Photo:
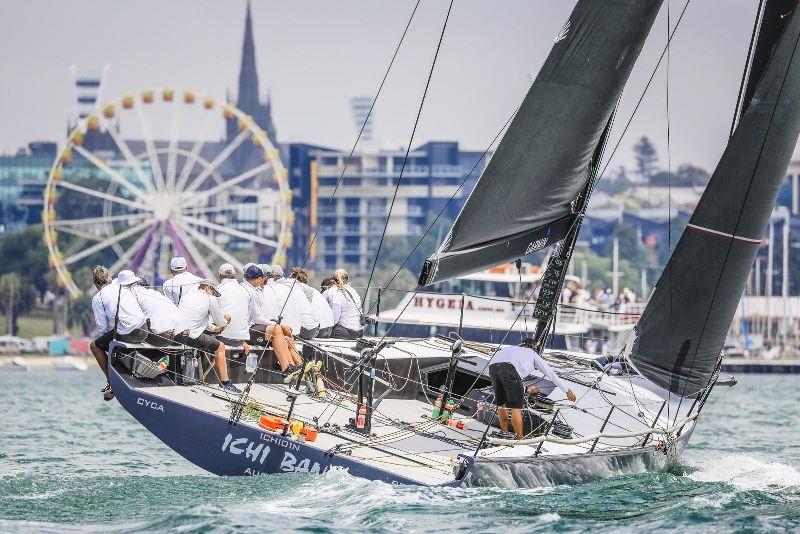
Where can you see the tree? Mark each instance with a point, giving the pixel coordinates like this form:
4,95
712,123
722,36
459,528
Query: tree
80,314
691,176
16,297
615,184
23,253
646,158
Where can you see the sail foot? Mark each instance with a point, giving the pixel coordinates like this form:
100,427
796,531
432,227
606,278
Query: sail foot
443,266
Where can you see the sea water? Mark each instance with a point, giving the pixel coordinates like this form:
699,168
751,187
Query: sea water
71,462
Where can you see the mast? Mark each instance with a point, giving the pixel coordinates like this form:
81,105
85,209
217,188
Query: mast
553,279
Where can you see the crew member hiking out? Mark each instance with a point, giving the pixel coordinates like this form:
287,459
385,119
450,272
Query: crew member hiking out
182,281
194,311
234,300
345,304
263,331
510,365
127,318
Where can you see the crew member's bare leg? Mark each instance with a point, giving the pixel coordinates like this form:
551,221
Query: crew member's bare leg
516,422
222,363
101,357
275,338
502,416
287,333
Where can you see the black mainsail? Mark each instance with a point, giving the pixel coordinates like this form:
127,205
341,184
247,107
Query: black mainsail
524,200
678,339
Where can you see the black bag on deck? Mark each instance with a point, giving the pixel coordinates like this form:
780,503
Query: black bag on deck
140,366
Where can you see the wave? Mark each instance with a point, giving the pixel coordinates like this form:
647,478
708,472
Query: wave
746,472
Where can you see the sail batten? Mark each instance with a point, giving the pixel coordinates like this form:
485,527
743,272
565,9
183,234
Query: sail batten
679,337
524,200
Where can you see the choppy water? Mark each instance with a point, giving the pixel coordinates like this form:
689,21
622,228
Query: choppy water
71,462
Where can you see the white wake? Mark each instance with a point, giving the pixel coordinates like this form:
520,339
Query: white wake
748,473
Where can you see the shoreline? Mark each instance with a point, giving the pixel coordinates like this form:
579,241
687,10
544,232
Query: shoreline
44,361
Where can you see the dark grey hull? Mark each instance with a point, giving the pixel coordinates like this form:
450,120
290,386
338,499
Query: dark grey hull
573,469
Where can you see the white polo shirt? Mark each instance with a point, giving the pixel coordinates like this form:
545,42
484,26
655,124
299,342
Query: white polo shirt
308,315
180,284
278,300
104,306
346,306
321,307
256,308
157,307
235,301
194,311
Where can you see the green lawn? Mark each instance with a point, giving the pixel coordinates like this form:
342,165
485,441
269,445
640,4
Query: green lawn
30,326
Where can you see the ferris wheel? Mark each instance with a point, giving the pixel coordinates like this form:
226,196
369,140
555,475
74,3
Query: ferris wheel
119,196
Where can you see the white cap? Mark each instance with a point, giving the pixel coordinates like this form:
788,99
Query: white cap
226,268
277,271
177,263
126,278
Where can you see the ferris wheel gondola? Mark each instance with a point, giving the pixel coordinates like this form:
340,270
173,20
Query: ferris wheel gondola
133,201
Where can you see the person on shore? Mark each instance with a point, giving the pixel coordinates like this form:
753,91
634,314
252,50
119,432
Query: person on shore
264,332
510,365
116,312
182,281
318,302
194,311
234,300
346,307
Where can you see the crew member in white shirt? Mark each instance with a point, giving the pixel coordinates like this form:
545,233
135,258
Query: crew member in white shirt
160,311
234,300
127,319
262,331
182,281
318,302
194,311
509,367
274,307
346,307
300,314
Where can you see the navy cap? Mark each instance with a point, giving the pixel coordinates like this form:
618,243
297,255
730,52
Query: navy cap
253,272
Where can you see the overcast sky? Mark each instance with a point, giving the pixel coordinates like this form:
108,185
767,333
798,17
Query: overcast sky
311,54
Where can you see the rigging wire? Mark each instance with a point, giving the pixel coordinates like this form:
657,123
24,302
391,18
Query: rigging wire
245,393
408,151
315,234
747,66
669,200
644,92
444,208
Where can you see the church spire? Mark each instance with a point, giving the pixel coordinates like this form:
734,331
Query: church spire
247,99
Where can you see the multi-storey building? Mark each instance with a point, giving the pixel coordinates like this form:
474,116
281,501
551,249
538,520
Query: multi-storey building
22,180
351,221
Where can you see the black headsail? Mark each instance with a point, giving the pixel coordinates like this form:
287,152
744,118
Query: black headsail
524,200
679,337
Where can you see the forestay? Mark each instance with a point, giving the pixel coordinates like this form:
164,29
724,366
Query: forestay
679,337
524,199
